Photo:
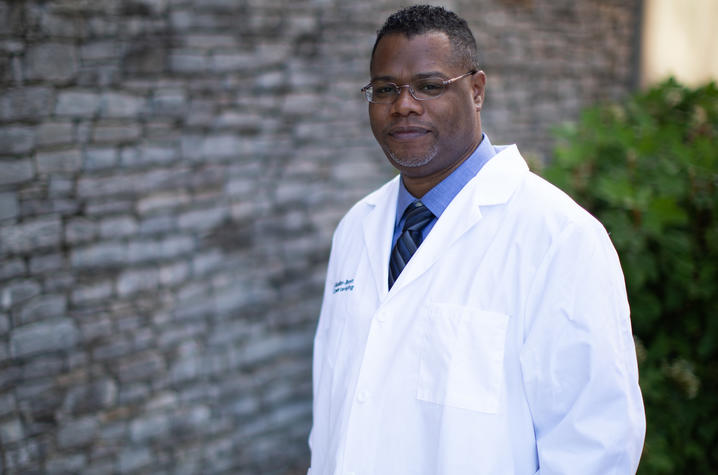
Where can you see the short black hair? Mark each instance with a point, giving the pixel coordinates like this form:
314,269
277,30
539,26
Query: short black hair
420,19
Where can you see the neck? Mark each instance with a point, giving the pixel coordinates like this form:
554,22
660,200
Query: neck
418,186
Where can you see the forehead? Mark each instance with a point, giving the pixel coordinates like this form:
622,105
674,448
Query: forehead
400,56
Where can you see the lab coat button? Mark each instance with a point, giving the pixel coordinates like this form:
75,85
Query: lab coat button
363,396
381,317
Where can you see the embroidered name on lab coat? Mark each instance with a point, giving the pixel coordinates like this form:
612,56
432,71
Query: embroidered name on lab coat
344,286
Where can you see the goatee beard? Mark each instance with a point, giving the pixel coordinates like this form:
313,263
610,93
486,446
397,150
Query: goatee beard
413,161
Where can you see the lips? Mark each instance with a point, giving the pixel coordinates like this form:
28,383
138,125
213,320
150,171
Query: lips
406,133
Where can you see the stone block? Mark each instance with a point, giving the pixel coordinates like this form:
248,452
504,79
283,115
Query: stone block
105,186
42,307
196,420
7,404
64,464
4,352
4,324
91,397
94,292
120,105
79,230
55,133
100,158
154,202
147,155
226,62
16,139
140,368
31,235
149,427
64,26
187,62
101,466
209,41
118,226
100,50
168,102
202,219
62,186
100,255
43,337
137,280
77,433
299,103
207,262
11,268
46,263
133,393
109,205
133,460
114,349
11,431
185,369
9,377
116,132
53,62
58,161
8,205
43,367
26,103
173,274
77,104
221,146
143,250
16,171
158,224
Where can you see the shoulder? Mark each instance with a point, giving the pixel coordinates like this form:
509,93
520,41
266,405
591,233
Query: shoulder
542,201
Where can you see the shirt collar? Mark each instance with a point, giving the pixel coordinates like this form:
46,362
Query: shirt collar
439,197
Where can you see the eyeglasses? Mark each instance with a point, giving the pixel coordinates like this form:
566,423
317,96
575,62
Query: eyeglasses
385,92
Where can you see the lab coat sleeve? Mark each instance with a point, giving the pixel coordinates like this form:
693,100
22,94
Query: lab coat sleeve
578,359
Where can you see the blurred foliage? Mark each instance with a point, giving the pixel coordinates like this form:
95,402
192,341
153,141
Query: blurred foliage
648,169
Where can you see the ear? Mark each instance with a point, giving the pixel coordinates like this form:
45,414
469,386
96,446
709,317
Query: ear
478,88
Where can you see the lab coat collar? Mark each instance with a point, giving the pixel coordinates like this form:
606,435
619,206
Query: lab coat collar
493,185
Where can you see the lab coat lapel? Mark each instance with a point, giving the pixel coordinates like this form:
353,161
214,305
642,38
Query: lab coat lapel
494,184
378,227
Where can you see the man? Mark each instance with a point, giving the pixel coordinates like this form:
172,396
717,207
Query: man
475,319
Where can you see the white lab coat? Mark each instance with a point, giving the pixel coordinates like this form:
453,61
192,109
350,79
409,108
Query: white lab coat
504,347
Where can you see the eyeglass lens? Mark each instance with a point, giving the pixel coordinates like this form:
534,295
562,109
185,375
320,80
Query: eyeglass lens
423,89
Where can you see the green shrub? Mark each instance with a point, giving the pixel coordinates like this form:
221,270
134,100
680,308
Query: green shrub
648,169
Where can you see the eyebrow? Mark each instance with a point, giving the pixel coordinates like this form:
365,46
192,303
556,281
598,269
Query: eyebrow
430,74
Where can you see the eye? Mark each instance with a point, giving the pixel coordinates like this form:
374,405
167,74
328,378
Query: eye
430,87
383,89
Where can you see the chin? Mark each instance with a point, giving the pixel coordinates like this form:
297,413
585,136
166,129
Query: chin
411,161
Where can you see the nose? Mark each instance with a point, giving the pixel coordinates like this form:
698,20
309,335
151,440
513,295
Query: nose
406,104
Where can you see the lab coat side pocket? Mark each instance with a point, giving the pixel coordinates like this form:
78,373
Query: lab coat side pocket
461,364
333,332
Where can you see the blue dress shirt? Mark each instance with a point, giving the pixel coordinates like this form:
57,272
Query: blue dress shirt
439,197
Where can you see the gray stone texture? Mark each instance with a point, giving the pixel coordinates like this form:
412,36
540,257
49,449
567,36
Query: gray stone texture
171,172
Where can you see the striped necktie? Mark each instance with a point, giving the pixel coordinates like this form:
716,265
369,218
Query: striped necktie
417,217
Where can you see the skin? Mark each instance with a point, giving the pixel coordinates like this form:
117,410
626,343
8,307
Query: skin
425,140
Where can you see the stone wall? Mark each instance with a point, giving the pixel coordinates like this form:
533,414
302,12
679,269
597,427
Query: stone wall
171,172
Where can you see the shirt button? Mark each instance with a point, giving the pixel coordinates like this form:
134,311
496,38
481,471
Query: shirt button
363,396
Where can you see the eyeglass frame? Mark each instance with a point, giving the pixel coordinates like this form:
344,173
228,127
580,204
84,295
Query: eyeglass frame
412,92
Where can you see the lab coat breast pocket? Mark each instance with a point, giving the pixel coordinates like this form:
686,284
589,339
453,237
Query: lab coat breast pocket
461,361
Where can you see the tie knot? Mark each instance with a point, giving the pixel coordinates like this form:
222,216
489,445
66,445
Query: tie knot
417,216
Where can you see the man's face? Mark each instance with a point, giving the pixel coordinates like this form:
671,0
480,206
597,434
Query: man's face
425,138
